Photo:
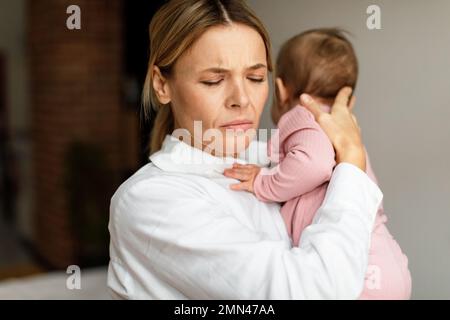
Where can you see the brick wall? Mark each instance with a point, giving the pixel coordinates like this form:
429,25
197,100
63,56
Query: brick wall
76,82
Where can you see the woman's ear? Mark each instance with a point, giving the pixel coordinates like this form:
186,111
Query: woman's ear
283,94
161,86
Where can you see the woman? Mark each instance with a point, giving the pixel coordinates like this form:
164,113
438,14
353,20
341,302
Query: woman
177,229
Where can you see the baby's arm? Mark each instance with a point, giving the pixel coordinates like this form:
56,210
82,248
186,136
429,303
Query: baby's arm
308,163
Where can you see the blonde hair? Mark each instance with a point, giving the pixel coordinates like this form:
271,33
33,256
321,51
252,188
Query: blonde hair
173,29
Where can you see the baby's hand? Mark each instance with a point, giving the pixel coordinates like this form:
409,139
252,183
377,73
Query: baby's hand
244,172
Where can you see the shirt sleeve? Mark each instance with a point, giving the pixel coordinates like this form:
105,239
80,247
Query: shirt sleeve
203,252
308,163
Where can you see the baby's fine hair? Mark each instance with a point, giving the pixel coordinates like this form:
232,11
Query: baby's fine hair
318,62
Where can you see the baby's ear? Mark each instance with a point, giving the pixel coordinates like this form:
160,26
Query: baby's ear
283,94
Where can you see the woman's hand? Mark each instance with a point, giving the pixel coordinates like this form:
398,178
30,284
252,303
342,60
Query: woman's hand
341,127
246,173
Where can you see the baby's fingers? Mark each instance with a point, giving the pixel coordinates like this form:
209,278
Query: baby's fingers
236,174
239,186
243,166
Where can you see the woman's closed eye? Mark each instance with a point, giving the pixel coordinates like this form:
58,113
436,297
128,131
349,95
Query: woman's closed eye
257,79
212,82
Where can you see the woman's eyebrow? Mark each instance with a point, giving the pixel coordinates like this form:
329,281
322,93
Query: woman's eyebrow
223,70
257,66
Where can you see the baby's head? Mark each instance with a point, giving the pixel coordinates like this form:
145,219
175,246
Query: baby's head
318,62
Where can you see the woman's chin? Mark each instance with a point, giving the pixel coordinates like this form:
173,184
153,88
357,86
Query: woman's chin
230,143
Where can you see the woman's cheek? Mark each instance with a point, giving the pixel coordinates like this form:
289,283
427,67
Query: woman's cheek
207,110
260,97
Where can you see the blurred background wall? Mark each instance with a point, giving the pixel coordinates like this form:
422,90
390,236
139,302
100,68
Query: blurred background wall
70,130
15,146
70,127
403,108
15,89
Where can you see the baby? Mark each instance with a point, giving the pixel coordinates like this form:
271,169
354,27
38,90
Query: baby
317,62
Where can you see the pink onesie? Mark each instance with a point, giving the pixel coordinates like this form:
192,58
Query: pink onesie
305,161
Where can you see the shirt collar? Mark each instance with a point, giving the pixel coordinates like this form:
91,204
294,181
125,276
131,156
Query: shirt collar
177,156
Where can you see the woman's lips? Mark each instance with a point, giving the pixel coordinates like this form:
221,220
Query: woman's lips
238,125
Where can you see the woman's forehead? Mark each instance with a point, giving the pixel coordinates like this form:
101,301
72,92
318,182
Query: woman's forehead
235,46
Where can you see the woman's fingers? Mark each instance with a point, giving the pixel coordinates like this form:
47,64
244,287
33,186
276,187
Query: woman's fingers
342,98
310,104
341,127
351,104
356,121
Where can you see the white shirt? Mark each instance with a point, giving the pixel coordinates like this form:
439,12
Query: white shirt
178,232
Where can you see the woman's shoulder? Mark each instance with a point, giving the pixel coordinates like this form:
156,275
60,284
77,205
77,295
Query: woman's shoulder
152,183
152,197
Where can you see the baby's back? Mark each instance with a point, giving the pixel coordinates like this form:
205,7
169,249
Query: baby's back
387,275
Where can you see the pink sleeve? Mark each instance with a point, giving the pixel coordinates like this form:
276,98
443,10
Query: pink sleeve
308,163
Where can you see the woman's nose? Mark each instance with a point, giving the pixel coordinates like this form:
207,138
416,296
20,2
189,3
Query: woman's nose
238,96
